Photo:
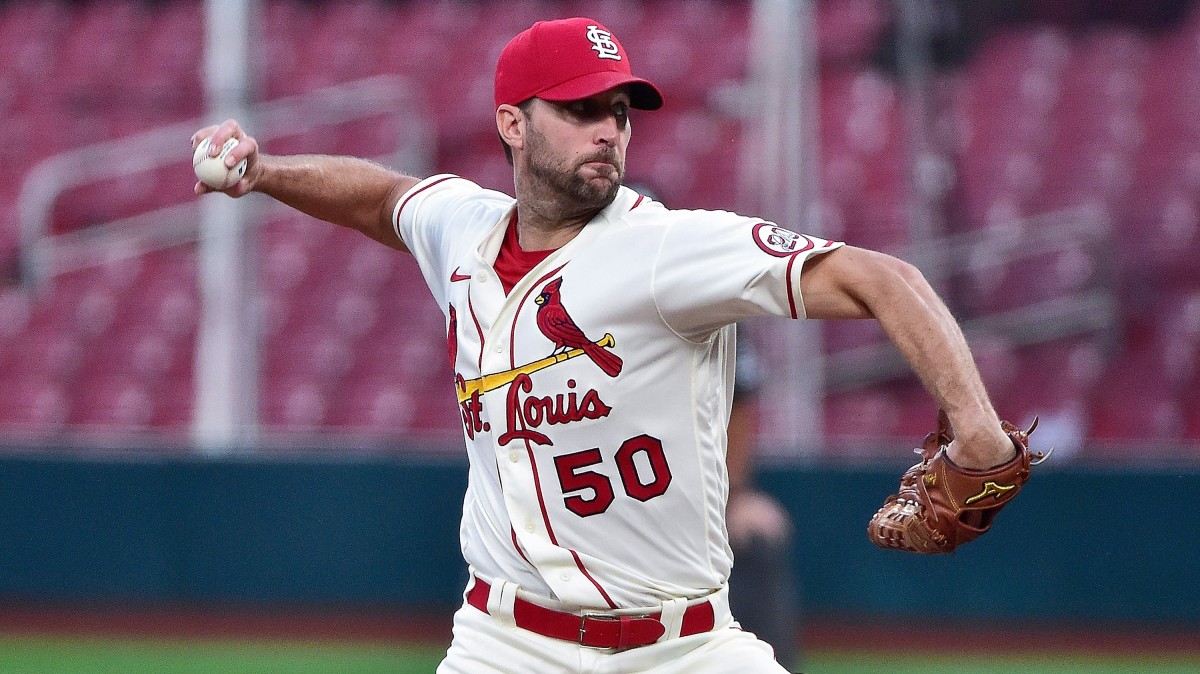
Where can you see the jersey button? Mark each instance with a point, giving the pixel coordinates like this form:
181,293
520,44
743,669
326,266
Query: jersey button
481,277
565,576
530,527
514,456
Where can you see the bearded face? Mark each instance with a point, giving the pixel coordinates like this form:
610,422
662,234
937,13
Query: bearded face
591,181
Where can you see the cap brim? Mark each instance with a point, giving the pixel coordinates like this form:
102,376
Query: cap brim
642,94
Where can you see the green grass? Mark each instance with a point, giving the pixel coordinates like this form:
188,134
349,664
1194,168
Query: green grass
44,655
990,663
48,655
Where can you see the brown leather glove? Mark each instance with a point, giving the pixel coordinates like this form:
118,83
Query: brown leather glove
940,505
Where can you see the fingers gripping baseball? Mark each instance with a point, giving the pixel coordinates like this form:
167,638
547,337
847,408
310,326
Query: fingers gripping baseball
220,165
941,505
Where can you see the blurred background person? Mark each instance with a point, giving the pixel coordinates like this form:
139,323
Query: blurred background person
763,587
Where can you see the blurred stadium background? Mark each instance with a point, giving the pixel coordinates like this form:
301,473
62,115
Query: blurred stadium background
211,409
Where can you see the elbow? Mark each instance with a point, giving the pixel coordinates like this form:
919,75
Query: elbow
908,273
860,283
892,271
890,280
909,285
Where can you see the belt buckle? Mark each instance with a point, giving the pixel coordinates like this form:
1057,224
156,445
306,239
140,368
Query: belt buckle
605,617
621,620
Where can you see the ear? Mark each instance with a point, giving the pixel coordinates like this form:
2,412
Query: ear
510,123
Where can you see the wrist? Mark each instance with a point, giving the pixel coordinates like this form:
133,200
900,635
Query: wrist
986,448
260,173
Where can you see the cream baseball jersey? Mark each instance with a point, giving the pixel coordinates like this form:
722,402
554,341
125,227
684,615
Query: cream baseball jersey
595,395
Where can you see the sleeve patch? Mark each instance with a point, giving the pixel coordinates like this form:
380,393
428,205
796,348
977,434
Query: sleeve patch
780,242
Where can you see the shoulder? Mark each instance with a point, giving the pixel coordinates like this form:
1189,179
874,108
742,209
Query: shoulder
448,192
445,210
766,236
705,224
645,211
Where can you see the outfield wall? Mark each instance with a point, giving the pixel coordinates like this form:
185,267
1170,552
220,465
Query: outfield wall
1077,544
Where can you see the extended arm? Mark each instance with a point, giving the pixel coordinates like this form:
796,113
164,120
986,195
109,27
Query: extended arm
346,191
856,283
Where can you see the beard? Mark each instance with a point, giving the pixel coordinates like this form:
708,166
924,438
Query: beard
592,193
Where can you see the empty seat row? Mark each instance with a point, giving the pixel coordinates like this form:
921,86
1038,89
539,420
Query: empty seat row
1039,120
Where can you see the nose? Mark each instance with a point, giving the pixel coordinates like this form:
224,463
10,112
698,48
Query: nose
607,130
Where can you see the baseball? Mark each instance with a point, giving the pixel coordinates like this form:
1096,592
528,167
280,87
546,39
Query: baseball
212,170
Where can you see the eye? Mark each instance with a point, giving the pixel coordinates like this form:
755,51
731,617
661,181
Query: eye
621,111
589,110
584,109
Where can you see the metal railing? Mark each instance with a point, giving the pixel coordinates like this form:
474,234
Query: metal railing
1088,309
45,254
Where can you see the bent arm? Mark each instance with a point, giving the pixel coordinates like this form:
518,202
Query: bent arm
857,283
345,191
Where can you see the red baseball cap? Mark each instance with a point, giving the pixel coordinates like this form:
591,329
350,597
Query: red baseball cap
566,60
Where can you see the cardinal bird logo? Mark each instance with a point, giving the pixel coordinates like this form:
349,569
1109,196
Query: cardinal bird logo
558,326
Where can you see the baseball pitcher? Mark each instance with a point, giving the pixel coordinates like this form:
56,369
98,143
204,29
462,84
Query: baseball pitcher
591,331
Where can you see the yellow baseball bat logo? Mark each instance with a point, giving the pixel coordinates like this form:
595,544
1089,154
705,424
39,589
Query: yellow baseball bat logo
491,382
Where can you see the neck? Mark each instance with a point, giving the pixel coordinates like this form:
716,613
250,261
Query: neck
537,230
548,221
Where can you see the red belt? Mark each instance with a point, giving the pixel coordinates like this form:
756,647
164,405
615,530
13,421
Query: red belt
596,630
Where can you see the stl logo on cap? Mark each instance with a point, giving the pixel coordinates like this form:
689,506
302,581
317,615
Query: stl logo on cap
602,43
568,60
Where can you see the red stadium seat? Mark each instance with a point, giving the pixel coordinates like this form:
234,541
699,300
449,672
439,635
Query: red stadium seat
1191,413
1044,119
862,415
294,405
112,403
33,404
375,405
848,31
